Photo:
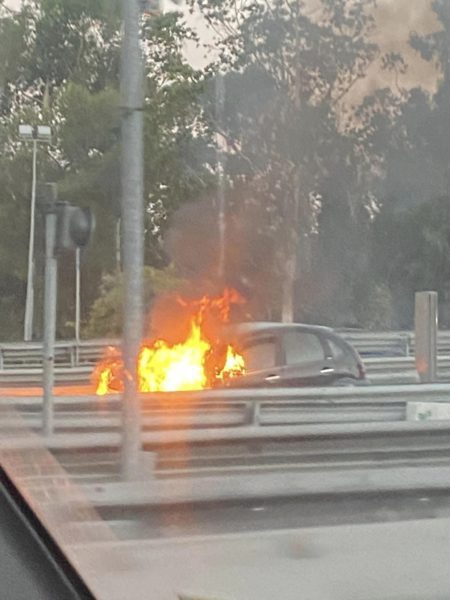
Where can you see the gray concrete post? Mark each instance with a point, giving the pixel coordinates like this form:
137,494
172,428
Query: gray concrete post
426,327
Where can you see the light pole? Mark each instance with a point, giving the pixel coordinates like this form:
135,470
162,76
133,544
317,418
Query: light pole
132,183
35,134
132,224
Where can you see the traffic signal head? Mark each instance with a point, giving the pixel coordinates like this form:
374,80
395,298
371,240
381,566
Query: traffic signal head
47,196
75,226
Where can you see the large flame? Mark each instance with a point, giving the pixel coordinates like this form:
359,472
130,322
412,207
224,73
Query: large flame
187,365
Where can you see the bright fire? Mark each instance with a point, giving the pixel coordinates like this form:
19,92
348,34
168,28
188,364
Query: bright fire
188,365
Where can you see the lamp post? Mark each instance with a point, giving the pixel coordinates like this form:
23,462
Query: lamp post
132,182
35,134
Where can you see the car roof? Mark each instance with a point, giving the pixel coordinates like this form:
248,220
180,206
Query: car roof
248,328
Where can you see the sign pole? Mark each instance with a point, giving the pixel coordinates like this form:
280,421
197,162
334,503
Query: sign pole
51,275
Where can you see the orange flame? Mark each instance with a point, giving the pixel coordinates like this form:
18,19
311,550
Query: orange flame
185,366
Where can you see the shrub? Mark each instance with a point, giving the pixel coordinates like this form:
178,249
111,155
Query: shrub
106,314
373,306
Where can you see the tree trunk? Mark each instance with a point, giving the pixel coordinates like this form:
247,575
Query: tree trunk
287,289
221,166
290,257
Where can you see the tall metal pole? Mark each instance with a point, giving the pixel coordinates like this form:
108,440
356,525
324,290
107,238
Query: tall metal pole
51,274
77,294
29,302
132,231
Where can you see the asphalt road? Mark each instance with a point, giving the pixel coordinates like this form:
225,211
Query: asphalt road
212,519
401,561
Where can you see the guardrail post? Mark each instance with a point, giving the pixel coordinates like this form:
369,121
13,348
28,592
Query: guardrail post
426,324
72,354
407,345
254,413
148,462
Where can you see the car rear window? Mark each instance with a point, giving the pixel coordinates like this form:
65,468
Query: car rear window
259,355
302,347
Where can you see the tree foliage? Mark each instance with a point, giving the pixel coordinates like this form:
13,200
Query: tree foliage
61,67
106,315
290,71
336,211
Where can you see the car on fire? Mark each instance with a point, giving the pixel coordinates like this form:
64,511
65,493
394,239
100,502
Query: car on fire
284,355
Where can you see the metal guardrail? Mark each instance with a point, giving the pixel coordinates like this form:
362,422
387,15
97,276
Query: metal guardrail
387,356
401,368
394,343
177,436
71,354
379,369
33,376
233,409
263,451
399,343
368,343
67,353
296,460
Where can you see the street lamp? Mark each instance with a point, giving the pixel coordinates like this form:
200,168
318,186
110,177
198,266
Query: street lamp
35,134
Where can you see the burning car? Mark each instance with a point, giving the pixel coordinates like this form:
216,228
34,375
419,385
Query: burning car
282,354
193,362
213,353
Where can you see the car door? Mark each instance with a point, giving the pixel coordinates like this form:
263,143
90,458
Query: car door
305,359
345,362
262,359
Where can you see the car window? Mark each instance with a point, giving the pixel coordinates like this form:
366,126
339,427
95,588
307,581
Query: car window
339,351
260,354
302,347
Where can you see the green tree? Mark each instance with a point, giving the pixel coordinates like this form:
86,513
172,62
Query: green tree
106,315
288,71
61,67
412,252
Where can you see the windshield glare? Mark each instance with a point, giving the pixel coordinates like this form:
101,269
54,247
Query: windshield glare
225,296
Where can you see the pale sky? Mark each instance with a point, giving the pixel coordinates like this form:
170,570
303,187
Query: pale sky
395,20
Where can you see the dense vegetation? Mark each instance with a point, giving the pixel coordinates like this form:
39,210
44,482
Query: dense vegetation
335,213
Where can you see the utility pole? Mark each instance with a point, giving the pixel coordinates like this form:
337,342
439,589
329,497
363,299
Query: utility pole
50,291
132,226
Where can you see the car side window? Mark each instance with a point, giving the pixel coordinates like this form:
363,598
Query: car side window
302,347
260,354
339,352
